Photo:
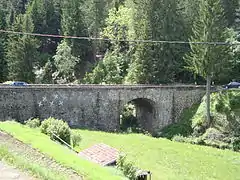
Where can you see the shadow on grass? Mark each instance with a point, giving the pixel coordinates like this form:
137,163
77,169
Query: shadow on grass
183,127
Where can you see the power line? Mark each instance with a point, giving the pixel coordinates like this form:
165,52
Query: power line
116,40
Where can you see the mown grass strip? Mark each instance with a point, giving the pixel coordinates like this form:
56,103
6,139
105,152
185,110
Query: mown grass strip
42,173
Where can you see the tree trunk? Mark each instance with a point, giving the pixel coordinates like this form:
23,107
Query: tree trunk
208,92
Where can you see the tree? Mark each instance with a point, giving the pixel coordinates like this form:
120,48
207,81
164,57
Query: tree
230,7
65,63
95,12
46,19
156,63
3,63
111,70
208,60
73,25
21,52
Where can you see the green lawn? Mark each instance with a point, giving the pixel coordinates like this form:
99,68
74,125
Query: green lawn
61,154
42,173
167,160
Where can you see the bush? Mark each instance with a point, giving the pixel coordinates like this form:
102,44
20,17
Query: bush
127,168
33,123
235,102
191,140
179,138
128,120
54,127
45,124
76,138
235,143
213,134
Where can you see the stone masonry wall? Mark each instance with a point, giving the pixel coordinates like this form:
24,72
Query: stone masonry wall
95,107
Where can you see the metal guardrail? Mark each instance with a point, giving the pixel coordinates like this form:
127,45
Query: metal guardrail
68,145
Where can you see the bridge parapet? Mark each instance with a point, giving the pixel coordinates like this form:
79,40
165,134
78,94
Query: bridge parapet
97,106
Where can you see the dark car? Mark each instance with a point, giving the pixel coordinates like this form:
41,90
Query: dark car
232,85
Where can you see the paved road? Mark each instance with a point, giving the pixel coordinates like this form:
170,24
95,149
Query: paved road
9,173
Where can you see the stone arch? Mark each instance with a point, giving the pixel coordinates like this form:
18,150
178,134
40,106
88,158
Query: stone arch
145,112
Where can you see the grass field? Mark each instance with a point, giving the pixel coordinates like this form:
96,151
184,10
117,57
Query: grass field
167,160
43,173
61,154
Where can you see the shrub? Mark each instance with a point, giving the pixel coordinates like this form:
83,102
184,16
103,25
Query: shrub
33,123
235,143
213,134
76,138
234,102
179,138
45,124
128,119
127,167
54,127
191,140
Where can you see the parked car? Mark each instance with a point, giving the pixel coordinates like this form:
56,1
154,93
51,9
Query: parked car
15,83
232,85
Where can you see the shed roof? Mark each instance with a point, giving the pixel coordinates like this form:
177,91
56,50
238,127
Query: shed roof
101,154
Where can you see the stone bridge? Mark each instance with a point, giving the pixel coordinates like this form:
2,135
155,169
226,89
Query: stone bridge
98,106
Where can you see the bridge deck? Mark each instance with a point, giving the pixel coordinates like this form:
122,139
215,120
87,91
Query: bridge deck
97,86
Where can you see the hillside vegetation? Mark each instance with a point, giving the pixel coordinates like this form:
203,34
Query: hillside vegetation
222,132
48,59
164,158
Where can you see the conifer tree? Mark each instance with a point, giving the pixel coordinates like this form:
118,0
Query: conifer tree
3,63
65,63
157,63
73,25
209,60
22,51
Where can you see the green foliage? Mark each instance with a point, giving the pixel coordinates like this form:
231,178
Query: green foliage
33,123
156,63
65,64
127,118
230,7
235,143
45,74
209,61
75,138
3,63
191,140
145,63
118,24
224,130
127,167
209,27
21,52
54,127
183,127
73,25
111,70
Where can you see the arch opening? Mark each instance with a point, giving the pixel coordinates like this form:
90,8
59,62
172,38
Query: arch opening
137,116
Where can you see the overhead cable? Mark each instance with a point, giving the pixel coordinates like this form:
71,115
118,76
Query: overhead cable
117,40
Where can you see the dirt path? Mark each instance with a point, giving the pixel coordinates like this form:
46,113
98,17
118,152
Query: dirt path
10,173
33,155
